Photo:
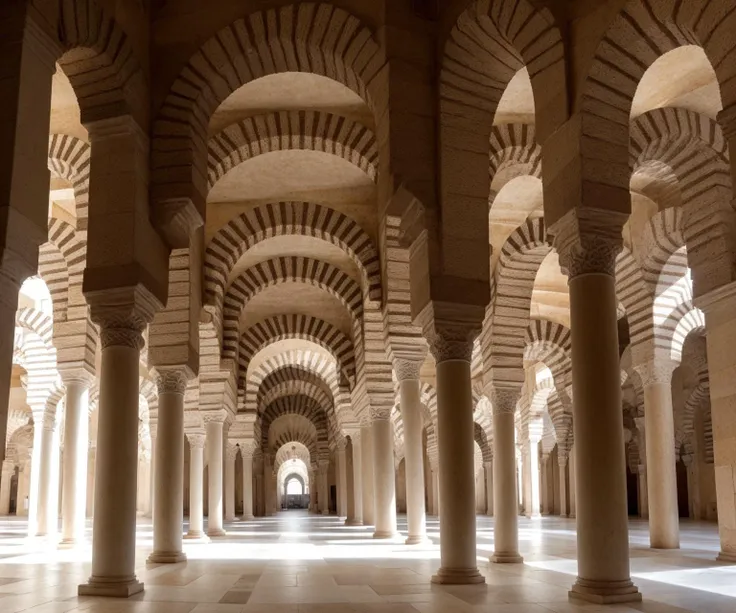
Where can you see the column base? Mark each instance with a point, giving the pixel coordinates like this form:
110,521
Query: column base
216,532
69,543
458,576
383,534
167,557
199,535
247,517
325,513
419,539
353,522
727,556
111,588
233,518
506,558
605,592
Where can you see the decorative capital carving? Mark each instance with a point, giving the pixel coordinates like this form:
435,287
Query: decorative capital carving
588,240
231,452
380,413
213,416
196,440
8,468
655,372
247,448
407,370
79,376
49,421
504,399
171,380
122,314
687,459
450,329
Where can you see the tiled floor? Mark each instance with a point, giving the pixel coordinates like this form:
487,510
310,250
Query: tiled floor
302,564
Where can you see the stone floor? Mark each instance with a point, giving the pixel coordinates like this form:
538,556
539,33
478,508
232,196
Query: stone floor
298,563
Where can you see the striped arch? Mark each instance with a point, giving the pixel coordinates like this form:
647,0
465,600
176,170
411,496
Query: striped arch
550,343
700,395
671,335
561,419
292,130
514,149
663,238
306,37
692,145
295,387
297,405
643,31
284,270
35,348
633,293
521,256
481,438
69,160
539,397
287,219
280,327
301,450
291,377
108,73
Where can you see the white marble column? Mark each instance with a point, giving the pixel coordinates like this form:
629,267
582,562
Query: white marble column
246,450
489,488
452,347
367,467
664,519
562,462
47,518
349,485
384,475
324,496
342,479
407,373
114,525
8,468
588,245
76,450
356,444
436,491
169,476
571,475
214,425
196,486
505,496
534,474
231,453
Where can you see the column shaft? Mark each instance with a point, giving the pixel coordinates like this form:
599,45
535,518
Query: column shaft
356,446
602,516
505,497
113,534
562,461
8,468
324,488
384,475
47,519
247,484
214,481
230,456
455,436
76,449
413,459
367,467
489,488
342,481
196,487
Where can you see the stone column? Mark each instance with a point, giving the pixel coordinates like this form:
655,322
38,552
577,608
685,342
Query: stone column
350,486
571,475
8,468
505,497
356,447
113,539
562,462
545,483
342,479
367,467
231,453
452,346
91,464
246,450
384,475
169,476
664,519
47,520
196,486
588,241
526,481
214,425
324,497
313,493
489,488
153,428
411,414
436,490
76,449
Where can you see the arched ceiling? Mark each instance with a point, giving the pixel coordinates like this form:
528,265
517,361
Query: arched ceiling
517,102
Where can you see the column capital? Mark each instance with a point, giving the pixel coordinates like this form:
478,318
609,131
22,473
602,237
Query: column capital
80,376
380,413
8,468
504,399
231,452
656,371
588,240
122,314
407,370
687,459
214,416
172,380
247,448
451,329
196,440
341,443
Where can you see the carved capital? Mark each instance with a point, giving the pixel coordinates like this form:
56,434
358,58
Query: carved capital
504,400
122,314
655,372
49,421
214,416
380,413
231,452
247,448
171,380
196,441
8,468
78,376
450,329
588,241
407,370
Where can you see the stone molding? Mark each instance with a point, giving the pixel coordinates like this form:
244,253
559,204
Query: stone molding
588,241
217,416
655,372
80,376
380,414
171,381
504,400
122,314
407,370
